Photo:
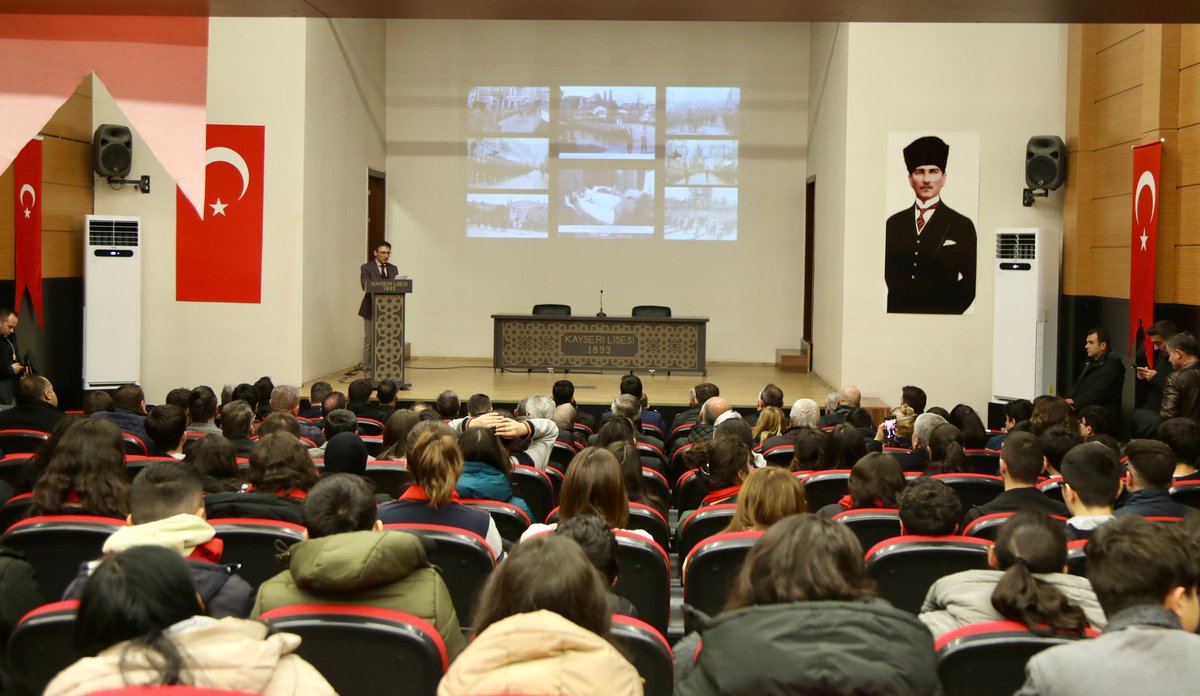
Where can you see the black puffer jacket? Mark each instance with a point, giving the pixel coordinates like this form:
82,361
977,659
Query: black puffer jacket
826,647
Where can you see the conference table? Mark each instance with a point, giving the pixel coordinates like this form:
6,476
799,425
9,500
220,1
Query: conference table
545,341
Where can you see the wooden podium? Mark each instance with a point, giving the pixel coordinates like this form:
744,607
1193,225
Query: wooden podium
387,338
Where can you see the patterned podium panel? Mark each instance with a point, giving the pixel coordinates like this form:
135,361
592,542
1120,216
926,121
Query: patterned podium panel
389,337
631,343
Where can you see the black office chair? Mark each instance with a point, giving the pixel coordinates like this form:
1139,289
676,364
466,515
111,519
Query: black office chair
649,310
558,310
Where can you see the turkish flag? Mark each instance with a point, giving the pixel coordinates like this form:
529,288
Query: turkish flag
219,258
1147,160
27,225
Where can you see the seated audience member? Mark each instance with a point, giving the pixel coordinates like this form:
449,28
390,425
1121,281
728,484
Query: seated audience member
85,475
237,419
802,617
339,420
563,392
771,396
712,409
166,425
946,454
447,405
1145,576
723,464
215,460
202,411
395,435
479,404
543,619
166,508
387,393
316,394
1182,435
632,385
1091,482
141,622
861,420
914,398
36,409
346,453
97,401
597,540
593,486
1148,478
768,495
1108,441
875,481
1021,462
631,471
697,395
263,387
628,406
1049,411
358,396
844,447
929,507
245,392
1027,584
536,406
1096,420
349,559
277,482
1015,411
804,414
280,422
809,449
770,423
486,470
129,411
904,420
436,464
1181,395
1056,442
528,442
734,426
923,429
849,398
332,402
564,420
285,399
620,428
974,434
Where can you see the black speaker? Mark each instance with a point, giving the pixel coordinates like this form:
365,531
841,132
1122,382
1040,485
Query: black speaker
112,150
1045,162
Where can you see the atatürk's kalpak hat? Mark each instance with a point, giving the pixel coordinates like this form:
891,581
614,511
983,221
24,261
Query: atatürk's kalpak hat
929,150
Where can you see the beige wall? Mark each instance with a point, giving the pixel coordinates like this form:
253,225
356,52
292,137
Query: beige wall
751,289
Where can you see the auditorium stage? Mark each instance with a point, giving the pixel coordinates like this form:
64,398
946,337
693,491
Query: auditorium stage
739,382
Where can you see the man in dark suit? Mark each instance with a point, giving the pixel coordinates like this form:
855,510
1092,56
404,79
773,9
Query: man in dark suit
36,409
379,269
10,367
929,254
1102,378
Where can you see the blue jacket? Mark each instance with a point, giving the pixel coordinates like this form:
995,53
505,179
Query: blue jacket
482,480
1151,502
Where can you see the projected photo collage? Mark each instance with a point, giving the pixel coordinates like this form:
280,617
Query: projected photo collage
596,152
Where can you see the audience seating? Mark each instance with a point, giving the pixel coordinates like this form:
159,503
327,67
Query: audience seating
14,510
709,569
680,431
649,310
190,436
562,453
1077,557
56,545
973,489
134,444
983,461
823,488
12,466
988,526
21,441
134,463
779,455
988,659
657,485
556,479
535,488
464,558
653,431
645,578
255,545
907,459
583,429
374,444
511,521
871,525
905,567
42,644
689,491
1183,492
678,465
705,522
647,651
369,426
647,449
649,519
556,310
390,478
366,651
1052,487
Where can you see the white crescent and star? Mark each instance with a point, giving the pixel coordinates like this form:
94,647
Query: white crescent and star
32,198
1145,181
232,158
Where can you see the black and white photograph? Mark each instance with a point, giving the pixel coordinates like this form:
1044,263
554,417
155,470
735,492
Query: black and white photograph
606,122
702,163
513,110
606,202
697,212
508,215
703,110
508,163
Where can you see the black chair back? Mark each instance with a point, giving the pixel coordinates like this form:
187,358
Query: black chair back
14,510
134,444
690,491
650,520
1052,487
390,478
983,461
988,526
41,645
779,455
561,453
647,310
511,521
369,426
645,578
907,459
656,485
823,488
973,489
905,567
16,441
708,571
1183,492
989,659
557,310
647,650
535,488
870,525
256,545
465,560
1077,557
56,545
12,468
705,522
374,444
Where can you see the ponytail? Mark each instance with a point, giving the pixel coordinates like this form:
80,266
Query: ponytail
1042,607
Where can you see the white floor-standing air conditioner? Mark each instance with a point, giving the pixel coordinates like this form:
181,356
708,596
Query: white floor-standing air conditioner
112,302
1028,266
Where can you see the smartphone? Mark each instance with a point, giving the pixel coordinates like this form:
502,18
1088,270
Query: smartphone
889,428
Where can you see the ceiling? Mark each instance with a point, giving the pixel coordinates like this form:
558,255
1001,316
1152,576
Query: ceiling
1018,11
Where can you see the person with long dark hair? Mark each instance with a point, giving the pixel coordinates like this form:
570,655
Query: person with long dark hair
875,482
946,454
630,459
215,459
1027,583
844,447
395,435
141,622
487,470
86,474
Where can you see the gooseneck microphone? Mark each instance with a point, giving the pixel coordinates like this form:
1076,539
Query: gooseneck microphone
601,312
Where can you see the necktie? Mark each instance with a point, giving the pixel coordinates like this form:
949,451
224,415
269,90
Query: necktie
383,271
921,215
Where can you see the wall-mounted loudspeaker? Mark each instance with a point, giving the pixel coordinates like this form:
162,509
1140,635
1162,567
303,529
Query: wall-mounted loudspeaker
112,151
1045,162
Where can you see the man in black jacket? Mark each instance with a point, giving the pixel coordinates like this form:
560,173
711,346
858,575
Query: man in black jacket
36,409
1148,476
1102,378
11,368
1021,462
1154,374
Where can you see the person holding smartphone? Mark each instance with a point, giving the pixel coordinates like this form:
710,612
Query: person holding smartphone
897,429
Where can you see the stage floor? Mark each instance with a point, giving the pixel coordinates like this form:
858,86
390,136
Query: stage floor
739,382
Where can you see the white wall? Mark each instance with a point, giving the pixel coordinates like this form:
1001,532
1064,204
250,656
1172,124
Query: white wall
751,289
1004,82
343,137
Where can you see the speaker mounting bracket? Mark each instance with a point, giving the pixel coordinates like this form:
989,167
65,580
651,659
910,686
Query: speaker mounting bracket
143,183
1030,194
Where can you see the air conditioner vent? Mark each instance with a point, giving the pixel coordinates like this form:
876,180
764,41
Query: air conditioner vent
113,233
1016,246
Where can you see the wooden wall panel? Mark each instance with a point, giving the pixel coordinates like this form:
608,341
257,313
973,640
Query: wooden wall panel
7,180
62,254
1111,222
1189,209
1189,159
67,162
1112,171
73,120
1119,67
1189,45
1108,35
1110,271
1118,118
1189,96
1188,260
65,208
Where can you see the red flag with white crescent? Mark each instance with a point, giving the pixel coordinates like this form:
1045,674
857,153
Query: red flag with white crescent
219,258
27,226
1147,200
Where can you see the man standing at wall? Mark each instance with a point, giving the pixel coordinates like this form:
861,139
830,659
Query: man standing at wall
379,269
10,367
1102,378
